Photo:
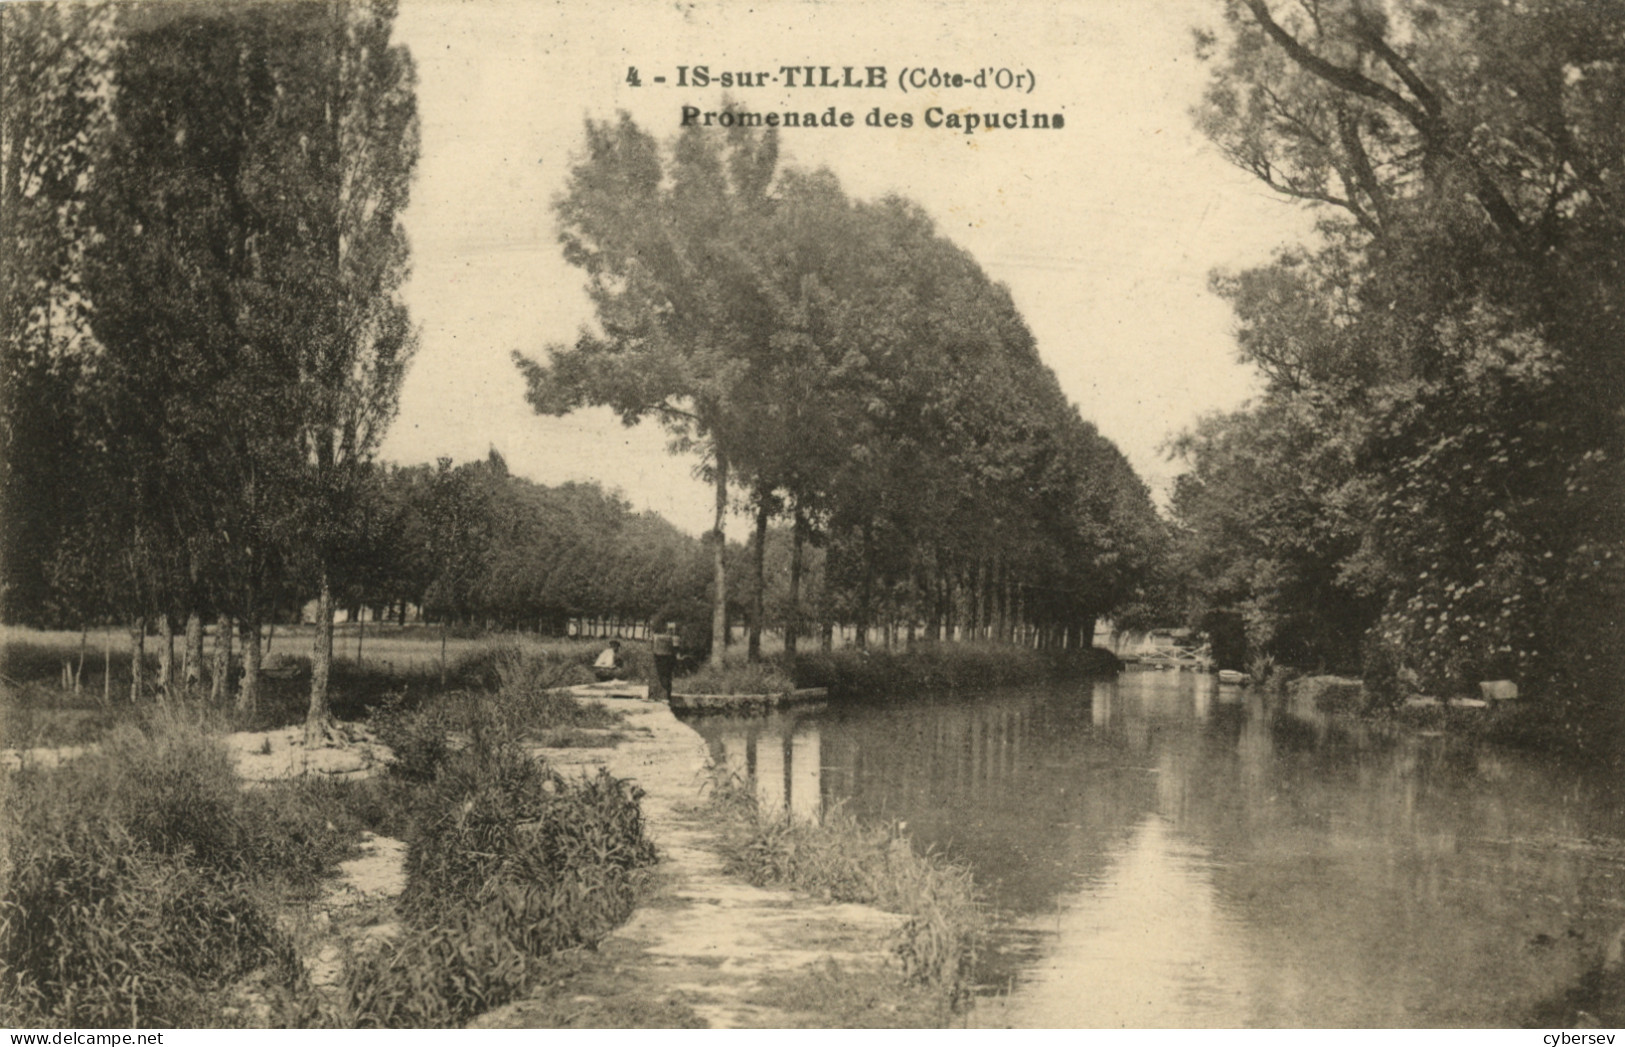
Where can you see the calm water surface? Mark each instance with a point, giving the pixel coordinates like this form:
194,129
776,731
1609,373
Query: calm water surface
1162,851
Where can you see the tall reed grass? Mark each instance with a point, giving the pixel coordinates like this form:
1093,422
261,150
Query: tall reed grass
140,883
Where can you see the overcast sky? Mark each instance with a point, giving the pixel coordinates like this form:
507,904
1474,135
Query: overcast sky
1104,231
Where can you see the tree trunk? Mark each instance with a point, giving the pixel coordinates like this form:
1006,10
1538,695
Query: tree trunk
248,696
973,601
866,590
792,613
933,621
166,658
192,655
1002,595
220,685
107,667
995,600
138,653
826,636
985,583
758,596
321,664
719,563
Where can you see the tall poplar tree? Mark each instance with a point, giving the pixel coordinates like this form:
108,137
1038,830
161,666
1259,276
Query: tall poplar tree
245,289
53,66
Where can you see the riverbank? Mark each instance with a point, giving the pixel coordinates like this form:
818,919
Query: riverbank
1575,730
938,668
705,948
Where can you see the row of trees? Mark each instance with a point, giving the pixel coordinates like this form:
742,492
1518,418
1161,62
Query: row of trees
203,339
474,545
1433,484
840,366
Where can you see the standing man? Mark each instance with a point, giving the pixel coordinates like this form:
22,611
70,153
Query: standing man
665,656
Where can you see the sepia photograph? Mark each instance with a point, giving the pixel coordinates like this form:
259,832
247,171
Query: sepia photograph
647,514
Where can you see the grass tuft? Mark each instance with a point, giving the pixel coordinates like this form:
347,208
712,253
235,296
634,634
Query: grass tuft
758,678
845,860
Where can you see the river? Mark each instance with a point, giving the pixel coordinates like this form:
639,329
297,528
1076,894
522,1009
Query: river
1164,851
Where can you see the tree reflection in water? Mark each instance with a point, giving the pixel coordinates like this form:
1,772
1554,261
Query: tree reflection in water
1166,851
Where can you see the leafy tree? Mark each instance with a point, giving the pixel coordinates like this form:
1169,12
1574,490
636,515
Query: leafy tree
659,240
357,105
244,287
855,371
1453,342
53,65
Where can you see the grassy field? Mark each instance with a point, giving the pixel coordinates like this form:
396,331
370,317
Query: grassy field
39,707
34,654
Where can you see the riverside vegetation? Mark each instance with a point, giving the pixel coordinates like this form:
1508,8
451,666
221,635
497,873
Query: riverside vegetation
881,673
143,887
845,860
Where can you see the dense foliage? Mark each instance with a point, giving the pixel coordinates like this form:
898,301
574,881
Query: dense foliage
204,309
841,365
1432,484
473,544
508,861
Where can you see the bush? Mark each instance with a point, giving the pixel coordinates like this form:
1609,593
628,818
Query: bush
758,678
128,897
98,931
523,699
496,666
508,862
139,878
173,787
530,700
418,736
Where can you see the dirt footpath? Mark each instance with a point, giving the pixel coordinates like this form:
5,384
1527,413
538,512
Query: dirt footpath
707,948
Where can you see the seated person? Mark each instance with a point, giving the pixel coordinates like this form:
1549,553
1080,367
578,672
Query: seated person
609,665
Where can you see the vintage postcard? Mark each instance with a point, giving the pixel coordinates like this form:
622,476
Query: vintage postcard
811,514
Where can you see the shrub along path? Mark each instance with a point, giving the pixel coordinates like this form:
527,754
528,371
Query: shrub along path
706,948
